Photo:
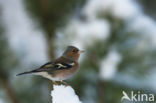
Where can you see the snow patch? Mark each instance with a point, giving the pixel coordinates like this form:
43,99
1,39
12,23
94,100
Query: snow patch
63,94
109,65
87,32
125,9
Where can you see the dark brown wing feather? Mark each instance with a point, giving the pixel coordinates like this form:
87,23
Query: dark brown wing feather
50,66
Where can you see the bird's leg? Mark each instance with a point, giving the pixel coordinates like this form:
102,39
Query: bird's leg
65,83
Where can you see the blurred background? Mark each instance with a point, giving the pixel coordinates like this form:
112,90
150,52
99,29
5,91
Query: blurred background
119,37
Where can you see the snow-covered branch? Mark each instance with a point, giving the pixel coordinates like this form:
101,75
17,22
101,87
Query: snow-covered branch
63,94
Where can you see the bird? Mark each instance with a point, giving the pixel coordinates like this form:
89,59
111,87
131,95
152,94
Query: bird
61,68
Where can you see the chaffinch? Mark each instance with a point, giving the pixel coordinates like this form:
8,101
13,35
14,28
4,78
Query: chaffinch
61,68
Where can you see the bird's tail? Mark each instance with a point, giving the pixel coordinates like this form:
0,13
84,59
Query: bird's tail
29,72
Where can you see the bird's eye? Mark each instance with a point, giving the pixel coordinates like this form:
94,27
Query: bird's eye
74,50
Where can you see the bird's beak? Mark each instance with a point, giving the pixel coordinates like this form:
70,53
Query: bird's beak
81,51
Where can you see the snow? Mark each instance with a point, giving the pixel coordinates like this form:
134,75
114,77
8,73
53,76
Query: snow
87,32
125,9
109,64
145,26
22,33
63,94
137,21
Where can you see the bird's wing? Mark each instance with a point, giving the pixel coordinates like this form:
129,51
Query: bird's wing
50,66
55,66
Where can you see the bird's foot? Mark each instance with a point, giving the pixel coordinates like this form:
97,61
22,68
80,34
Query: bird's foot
66,84
55,83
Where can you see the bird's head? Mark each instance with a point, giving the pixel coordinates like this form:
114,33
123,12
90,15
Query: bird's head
72,53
